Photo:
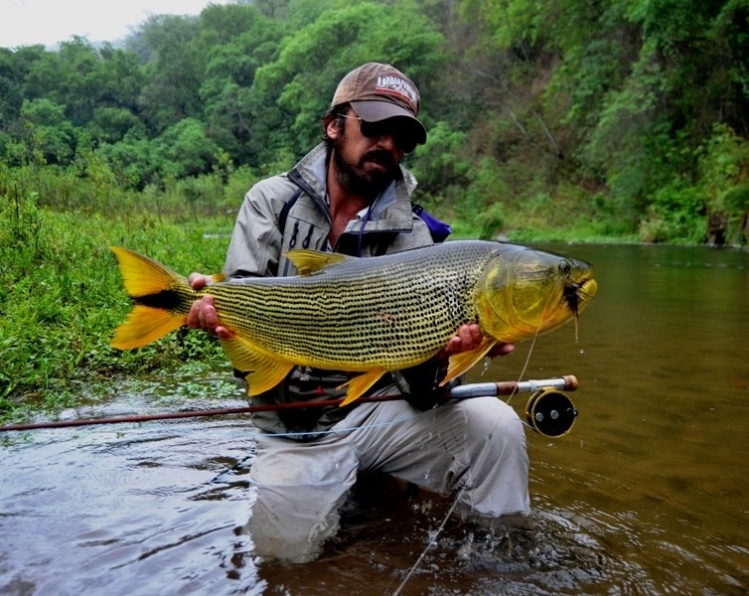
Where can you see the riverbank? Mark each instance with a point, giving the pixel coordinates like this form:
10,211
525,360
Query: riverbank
62,296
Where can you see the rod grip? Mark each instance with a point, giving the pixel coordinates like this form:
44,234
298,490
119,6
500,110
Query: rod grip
565,383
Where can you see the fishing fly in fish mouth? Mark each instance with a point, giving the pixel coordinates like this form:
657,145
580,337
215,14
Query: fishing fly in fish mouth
371,316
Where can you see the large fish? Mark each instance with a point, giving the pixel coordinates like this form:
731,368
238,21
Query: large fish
370,315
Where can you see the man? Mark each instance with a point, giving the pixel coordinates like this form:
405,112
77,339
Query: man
351,195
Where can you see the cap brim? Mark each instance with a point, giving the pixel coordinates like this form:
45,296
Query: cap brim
376,111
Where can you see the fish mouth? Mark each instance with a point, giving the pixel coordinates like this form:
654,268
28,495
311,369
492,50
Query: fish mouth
578,293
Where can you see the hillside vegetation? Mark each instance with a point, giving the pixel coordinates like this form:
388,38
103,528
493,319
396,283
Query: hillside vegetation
623,119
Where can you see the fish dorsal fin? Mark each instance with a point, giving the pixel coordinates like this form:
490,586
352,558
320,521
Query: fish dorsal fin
463,362
263,371
310,261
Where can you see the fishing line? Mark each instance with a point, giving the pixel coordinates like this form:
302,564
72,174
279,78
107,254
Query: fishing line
441,527
462,489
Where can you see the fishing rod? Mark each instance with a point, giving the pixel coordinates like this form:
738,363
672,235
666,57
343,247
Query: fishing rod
549,411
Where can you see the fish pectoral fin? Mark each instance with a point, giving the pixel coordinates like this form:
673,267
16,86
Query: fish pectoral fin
263,371
144,325
310,261
358,386
463,362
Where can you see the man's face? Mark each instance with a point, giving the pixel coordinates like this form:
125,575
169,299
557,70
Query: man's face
365,164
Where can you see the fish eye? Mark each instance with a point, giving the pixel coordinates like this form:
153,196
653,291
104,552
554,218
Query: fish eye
565,268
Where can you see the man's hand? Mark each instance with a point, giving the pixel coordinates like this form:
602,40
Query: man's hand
469,337
203,314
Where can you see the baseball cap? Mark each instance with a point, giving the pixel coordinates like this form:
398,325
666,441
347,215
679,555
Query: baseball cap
377,92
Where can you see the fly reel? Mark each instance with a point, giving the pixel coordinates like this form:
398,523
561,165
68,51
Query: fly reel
550,412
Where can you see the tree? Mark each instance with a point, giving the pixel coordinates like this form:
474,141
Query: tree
174,72
230,73
291,94
48,133
185,150
14,68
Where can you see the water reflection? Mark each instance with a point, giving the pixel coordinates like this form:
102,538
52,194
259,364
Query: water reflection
126,510
647,494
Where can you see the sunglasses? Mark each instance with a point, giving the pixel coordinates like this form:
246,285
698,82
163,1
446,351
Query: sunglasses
372,130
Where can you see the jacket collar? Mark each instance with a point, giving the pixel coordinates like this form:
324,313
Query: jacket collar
391,210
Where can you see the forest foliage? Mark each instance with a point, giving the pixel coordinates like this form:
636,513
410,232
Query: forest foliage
609,118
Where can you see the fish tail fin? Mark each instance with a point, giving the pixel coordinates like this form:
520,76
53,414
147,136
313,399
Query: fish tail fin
161,297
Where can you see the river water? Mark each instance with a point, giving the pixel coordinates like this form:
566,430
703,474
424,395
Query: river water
648,493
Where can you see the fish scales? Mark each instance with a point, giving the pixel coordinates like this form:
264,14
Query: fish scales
384,315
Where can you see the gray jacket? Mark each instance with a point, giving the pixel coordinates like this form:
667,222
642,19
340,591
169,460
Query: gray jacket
265,230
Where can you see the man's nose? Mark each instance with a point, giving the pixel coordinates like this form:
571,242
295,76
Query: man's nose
387,141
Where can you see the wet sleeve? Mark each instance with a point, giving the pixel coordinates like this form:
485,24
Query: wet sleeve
420,385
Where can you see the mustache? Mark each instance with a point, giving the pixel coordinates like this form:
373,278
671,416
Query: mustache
380,156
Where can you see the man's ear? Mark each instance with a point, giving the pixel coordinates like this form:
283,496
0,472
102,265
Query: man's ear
331,126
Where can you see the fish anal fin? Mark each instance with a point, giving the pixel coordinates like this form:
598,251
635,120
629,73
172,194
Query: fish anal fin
310,261
263,371
359,385
144,325
464,361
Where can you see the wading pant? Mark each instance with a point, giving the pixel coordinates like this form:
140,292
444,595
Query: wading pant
475,446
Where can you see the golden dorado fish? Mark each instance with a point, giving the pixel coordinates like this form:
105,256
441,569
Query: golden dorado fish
371,315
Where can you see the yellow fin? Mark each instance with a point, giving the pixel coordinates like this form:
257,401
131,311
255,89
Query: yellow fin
263,371
310,261
144,325
153,316
358,386
143,276
463,362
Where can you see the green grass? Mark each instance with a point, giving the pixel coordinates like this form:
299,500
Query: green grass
61,298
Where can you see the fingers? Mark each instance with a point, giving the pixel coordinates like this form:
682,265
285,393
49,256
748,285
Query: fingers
501,350
469,337
202,314
198,281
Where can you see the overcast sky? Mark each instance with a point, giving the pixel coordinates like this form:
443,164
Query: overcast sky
28,22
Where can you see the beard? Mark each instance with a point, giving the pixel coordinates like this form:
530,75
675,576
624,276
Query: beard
356,177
